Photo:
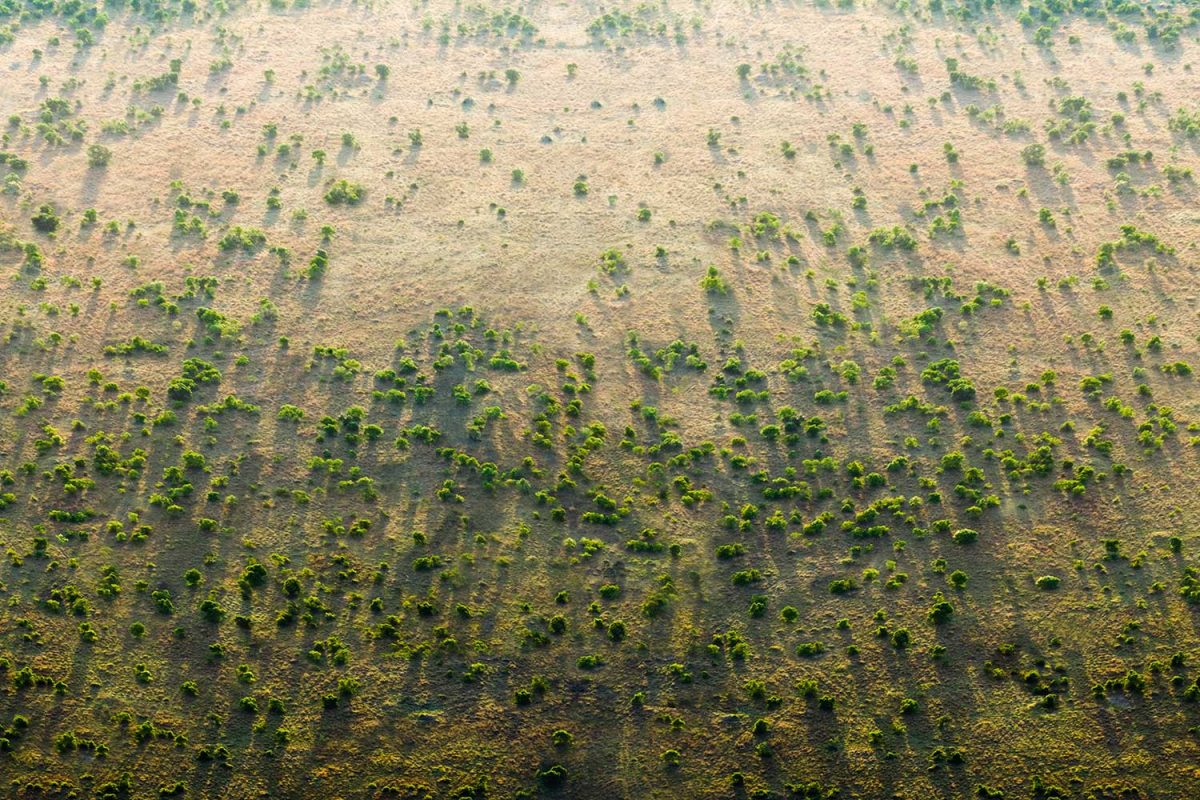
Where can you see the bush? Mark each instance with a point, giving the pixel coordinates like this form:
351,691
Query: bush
45,220
98,156
842,585
713,283
290,413
810,649
1048,582
552,776
746,577
246,239
211,610
941,610
318,265
195,372
343,192
965,536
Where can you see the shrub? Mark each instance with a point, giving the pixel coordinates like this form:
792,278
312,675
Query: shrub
842,585
713,283
343,192
246,239
552,776
318,265
211,610
746,577
290,413
965,536
98,155
728,551
810,649
941,610
195,372
45,220
1048,582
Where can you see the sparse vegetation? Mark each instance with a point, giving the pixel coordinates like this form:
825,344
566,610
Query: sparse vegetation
778,400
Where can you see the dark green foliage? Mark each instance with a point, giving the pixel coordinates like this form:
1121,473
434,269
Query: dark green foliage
195,372
553,776
809,649
46,220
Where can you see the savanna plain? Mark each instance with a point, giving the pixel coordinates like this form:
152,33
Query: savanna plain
716,399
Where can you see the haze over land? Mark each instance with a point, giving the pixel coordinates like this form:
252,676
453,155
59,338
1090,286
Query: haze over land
680,399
